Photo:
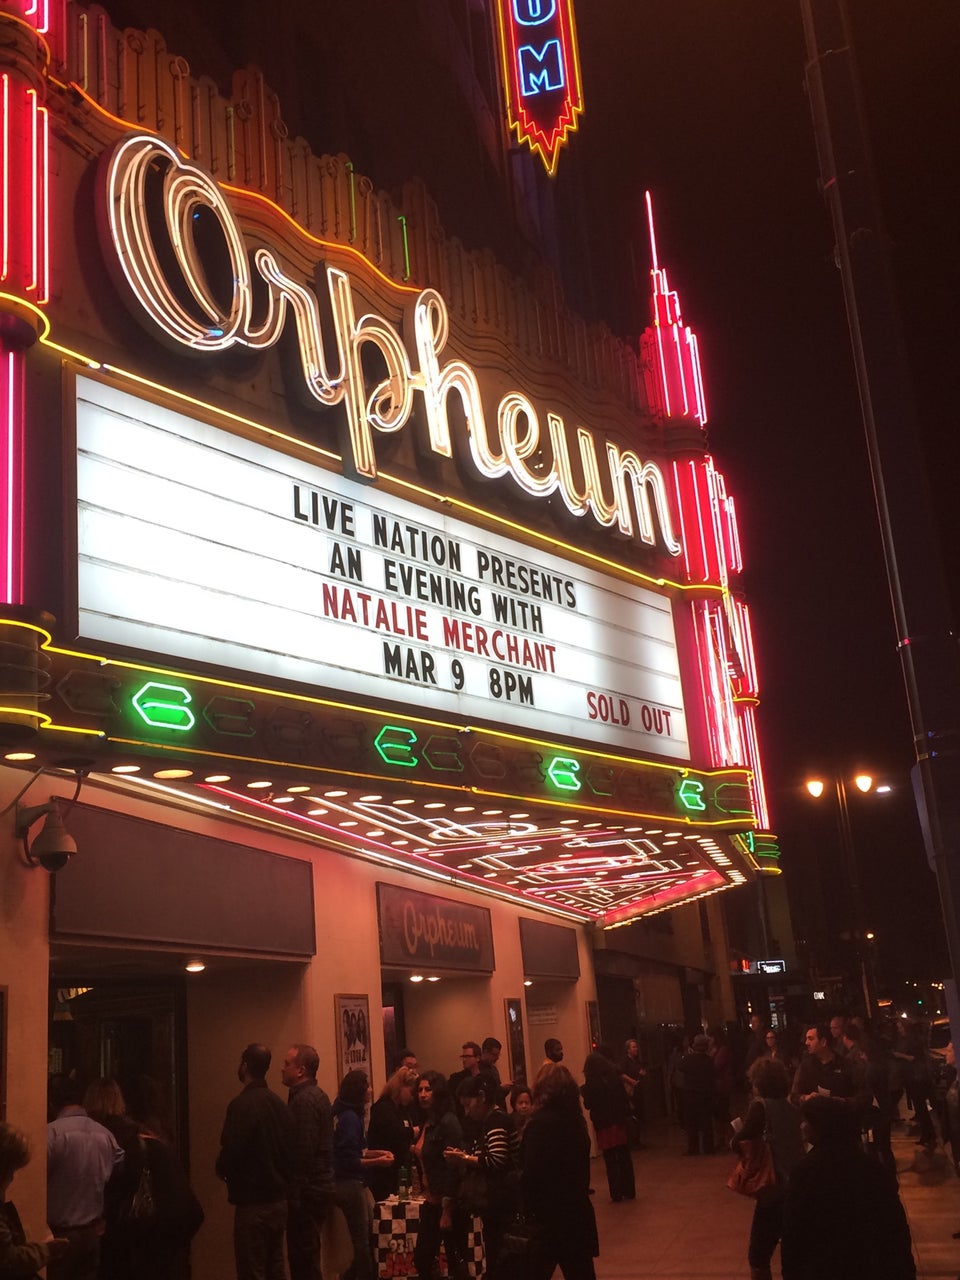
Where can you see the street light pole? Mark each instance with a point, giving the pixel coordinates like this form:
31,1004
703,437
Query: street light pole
926,641
863,783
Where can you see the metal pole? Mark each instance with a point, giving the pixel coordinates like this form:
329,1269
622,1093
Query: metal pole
927,645
853,874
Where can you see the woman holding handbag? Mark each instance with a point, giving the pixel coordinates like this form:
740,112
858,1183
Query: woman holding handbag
771,1118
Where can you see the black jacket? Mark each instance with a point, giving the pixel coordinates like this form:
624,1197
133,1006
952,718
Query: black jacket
256,1147
389,1130
555,1178
309,1107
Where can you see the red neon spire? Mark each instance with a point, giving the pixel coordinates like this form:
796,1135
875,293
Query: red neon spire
671,355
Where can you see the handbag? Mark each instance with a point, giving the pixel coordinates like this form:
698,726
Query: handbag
336,1243
143,1205
754,1172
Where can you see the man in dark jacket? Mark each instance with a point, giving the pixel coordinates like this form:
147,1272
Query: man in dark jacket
311,1189
821,1072
256,1162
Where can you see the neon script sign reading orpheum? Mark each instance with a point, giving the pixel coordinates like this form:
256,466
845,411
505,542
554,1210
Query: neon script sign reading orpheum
620,491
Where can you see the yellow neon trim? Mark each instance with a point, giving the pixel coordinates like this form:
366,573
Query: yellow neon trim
21,22
379,713
243,191
32,308
323,244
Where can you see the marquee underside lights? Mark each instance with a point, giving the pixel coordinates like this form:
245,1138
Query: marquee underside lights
541,73
612,486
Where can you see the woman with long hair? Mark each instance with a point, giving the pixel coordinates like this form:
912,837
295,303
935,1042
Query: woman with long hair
770,1115
439,1179
606,1099
555,1181
352,1158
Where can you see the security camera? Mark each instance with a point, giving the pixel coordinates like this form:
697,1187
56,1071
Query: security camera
54,846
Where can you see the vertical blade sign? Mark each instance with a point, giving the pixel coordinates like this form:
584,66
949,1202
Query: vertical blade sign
541,73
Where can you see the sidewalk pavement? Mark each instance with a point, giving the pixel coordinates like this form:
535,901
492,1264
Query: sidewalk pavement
686,1225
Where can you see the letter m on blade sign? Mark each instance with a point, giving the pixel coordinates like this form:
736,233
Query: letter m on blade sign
541,73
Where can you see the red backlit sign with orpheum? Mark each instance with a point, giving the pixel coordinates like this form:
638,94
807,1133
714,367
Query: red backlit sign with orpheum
541,73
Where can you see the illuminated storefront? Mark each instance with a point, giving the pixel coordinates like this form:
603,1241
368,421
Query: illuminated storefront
327,544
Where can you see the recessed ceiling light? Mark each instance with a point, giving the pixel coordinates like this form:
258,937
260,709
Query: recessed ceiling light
397,844
519,815
167,774
464,808
527,982
491,813
416,977
370,799
372,835
121,768
316,813
333,795
24,755
435,804
348,822
284,799
195,966
217,777
259,785
404,800
300,789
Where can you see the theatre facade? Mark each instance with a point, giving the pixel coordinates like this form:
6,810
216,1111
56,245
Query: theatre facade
370,623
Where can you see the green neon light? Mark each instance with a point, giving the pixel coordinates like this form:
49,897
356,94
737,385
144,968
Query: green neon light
690,795
563,772
401,218
164,712
400,750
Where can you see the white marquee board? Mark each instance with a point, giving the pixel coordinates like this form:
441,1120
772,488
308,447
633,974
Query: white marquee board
202,545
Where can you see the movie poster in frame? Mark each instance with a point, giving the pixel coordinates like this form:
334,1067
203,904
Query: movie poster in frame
352,1017
516,1051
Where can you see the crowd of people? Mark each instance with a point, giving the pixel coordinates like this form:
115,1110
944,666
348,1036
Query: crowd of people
468,1146
833,1204
473,1145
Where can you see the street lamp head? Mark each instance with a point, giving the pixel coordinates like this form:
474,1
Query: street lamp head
815,786
863,782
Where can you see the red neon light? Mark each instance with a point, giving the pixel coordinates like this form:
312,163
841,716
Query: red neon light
541,73
11,476
24,193
670,351
708,521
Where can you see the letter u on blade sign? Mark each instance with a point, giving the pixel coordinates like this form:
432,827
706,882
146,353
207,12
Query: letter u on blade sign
541,73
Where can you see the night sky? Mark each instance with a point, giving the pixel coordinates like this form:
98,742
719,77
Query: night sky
705,104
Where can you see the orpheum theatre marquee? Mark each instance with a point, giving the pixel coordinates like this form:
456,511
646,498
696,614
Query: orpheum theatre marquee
358,536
